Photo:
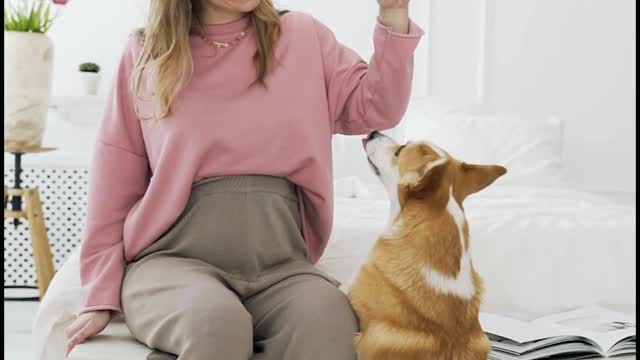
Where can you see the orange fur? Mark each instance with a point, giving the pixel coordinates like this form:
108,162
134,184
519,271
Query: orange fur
402,316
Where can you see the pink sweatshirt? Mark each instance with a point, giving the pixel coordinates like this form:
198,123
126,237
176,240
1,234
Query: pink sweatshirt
142,172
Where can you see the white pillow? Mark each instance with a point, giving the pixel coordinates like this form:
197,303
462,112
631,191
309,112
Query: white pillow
531,149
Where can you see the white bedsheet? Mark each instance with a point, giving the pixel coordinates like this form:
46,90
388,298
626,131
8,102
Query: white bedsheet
540,250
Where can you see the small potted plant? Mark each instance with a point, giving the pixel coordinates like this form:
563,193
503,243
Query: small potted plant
90,77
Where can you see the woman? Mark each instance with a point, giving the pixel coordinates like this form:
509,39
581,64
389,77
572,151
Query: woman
211,190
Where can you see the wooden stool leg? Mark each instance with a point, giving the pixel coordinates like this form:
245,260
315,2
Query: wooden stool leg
39,240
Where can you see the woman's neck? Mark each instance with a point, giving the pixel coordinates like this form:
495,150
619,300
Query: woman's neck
211,15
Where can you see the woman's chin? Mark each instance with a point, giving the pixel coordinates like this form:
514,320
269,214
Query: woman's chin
244,6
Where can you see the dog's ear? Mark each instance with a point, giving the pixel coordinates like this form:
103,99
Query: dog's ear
474,178
427,178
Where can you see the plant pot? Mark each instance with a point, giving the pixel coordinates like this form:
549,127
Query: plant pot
90,82
28,68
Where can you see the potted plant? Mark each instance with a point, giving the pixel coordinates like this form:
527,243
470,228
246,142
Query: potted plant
28,67
90,77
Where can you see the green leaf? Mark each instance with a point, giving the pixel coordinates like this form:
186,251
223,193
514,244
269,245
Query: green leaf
48,20
37,20
6,17
28,15
30,19
42,21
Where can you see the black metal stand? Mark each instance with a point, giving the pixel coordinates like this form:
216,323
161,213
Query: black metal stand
16,201
16,205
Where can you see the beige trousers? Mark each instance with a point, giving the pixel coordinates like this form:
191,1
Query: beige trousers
231,281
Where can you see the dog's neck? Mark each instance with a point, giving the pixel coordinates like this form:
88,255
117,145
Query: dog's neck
394,215
437,231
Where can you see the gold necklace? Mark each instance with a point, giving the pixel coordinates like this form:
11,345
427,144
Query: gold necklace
221,45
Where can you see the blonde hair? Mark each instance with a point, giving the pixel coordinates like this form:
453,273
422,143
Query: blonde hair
166,54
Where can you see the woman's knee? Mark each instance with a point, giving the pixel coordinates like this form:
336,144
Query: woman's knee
331,306
222,329
218,319
324,322
307,318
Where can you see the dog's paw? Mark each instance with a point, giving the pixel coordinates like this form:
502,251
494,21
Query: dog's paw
357,337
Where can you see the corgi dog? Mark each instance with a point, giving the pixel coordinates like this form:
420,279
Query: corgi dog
418,294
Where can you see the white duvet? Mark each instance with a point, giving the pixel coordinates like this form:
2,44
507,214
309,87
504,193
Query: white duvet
540,250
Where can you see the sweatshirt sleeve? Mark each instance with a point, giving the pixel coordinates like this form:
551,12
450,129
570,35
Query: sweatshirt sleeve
365,97
118,178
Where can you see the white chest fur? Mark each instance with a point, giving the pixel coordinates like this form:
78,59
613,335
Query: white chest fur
462,284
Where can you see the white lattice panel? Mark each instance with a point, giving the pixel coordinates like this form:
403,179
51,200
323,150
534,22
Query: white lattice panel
63,192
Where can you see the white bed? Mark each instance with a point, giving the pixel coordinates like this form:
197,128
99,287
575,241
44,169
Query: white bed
540,250
541,246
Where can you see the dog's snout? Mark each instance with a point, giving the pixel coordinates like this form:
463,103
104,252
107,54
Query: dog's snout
371,136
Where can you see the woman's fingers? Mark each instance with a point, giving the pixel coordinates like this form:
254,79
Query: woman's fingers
80,336
78,324
86,326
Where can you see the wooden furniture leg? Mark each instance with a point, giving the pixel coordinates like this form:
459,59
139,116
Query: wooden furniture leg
42,257
39,240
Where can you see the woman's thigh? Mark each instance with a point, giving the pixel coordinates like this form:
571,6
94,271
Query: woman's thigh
303,317
180,306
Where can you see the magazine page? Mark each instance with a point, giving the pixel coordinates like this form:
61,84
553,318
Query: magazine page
600,325
521,331
590,329
554,345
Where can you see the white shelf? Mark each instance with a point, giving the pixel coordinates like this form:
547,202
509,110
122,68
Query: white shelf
80,100
79,110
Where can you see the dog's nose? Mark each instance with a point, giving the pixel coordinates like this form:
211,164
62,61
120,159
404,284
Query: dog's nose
370,137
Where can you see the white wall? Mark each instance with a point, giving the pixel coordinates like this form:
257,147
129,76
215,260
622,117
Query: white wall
574,59
95,30
92,30
571,58
353,21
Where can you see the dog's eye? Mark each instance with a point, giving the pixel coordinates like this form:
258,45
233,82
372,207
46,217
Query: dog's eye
399,150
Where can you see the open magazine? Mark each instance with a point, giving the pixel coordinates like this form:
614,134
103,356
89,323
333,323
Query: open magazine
587,332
